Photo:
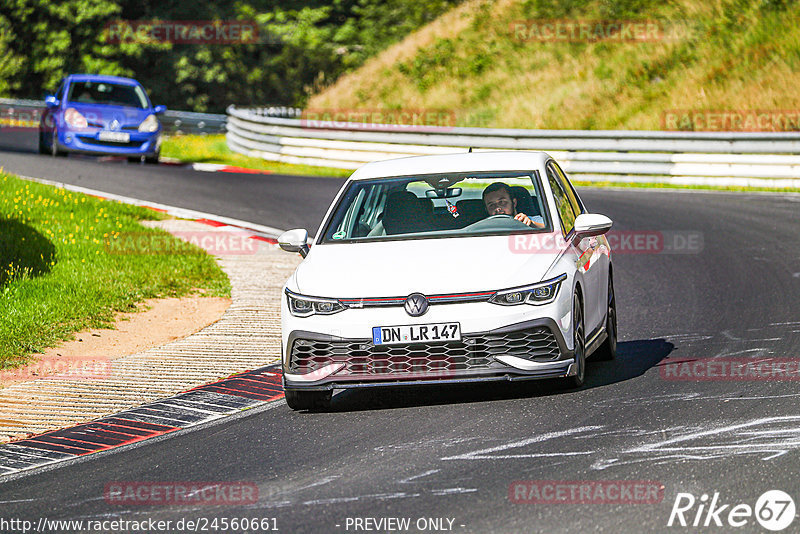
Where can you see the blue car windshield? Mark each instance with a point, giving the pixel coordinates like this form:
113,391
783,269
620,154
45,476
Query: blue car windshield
111,94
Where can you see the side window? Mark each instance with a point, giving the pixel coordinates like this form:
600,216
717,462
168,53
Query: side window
577,207
364,205
565,211
367,215
344,227
373,206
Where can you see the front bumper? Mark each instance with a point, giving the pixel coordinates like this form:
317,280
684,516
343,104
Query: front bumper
86,141
533,349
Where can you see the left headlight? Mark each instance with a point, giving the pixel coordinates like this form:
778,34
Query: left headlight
150,124
302,306
537,294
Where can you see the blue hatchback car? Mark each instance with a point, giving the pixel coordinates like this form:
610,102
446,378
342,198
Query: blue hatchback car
102,115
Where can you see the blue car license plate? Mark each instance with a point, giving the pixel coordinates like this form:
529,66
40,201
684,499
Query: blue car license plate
114,137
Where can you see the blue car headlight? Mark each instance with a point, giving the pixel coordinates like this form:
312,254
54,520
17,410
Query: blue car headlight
74,118
536,294
303,306
149,125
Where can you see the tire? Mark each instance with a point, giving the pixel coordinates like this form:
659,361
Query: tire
152,160
42,145
134,159
308,400
579,342
608,350
54,151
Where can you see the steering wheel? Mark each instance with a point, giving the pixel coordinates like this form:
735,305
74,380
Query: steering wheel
498,216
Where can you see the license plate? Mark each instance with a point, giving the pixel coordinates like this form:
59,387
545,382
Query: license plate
114,137
416,333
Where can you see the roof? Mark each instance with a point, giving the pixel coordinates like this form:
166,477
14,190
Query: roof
504,160
102,78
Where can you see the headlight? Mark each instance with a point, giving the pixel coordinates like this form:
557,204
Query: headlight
150,124
536,294
73,117
302,306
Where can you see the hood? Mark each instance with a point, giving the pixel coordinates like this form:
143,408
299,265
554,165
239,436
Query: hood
101,116
428,266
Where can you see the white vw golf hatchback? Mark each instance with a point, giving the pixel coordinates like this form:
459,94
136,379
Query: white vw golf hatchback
448,269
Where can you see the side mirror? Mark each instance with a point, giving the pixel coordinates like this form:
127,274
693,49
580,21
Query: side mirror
591,224
158,110
295,241
50,101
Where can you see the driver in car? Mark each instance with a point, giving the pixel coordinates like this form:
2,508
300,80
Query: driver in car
498,201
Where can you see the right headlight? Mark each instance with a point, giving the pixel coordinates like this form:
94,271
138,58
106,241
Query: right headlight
536,294
74,118
303,306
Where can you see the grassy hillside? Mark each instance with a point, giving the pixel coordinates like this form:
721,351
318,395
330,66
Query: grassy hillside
474,61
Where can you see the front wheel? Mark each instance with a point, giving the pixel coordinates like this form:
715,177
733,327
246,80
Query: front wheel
308,400
54,151
579,343
42,144
608,350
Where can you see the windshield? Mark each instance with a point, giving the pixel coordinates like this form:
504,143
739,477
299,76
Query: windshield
441,205
107,93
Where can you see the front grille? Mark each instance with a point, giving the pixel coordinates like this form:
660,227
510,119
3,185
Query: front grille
473,352
94,141
130,127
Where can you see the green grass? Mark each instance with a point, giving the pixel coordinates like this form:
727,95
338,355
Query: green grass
214,149
59,273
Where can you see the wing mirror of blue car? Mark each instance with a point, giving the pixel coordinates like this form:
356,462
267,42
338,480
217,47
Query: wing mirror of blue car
50,101
295,241
591,224
158,110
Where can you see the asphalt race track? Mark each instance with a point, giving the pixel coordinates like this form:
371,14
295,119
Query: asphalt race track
454,452
232,195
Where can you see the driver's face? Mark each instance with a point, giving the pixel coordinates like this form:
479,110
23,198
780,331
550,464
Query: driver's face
499,203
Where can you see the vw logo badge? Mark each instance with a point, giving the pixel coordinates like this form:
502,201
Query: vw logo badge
416,304
114,125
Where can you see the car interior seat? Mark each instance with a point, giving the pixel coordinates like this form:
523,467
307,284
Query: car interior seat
525,202
405,213
470,211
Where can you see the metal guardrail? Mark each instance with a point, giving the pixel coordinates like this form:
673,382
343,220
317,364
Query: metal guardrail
188,122
26,114
760,159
